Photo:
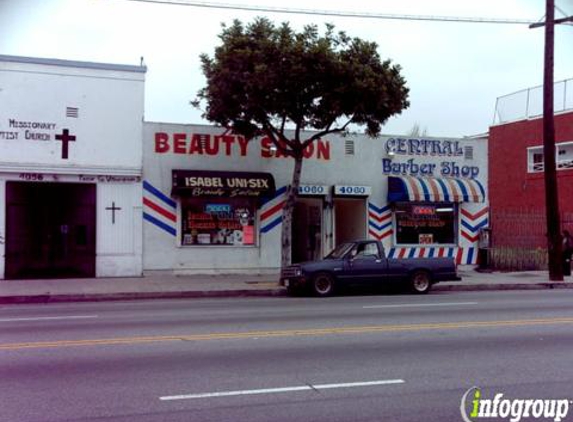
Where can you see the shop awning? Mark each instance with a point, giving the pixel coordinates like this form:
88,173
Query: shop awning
433,189
224,184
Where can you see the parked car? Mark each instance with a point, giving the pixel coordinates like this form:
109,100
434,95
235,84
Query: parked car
365,263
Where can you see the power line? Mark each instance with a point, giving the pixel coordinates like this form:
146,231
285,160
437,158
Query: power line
343,14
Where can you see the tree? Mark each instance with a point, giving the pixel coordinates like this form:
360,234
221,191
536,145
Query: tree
267,80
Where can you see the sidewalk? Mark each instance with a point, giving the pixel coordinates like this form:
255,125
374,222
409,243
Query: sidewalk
169,286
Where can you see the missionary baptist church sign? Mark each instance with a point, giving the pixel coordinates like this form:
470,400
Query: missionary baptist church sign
24,130
444,150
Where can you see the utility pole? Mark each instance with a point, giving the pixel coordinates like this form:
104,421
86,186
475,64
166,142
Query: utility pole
555,250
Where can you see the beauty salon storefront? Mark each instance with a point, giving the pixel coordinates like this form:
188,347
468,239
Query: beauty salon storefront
212,202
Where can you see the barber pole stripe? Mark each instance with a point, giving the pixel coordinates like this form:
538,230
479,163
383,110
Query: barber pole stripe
271,212
379,222
472,223
462,256
159,209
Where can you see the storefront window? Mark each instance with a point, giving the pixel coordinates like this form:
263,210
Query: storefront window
218,221
425,223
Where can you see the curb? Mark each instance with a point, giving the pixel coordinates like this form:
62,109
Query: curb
105,297
276,292
499,286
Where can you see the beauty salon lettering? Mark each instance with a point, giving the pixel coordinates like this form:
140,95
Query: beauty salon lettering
228,145
427,148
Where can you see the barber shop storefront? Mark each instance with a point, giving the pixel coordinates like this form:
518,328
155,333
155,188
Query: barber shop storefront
437,197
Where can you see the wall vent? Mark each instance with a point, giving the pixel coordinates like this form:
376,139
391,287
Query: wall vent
72,112
469,153
349,147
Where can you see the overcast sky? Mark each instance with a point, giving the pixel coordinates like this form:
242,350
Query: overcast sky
455,71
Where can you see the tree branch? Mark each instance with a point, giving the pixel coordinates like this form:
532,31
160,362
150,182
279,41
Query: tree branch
273,134
325,132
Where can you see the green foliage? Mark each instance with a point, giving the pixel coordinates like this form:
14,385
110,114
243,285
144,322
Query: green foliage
264,79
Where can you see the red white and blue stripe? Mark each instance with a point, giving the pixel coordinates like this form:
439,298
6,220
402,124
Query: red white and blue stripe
472,223
432,189
462,256
159,209
379,221
271,212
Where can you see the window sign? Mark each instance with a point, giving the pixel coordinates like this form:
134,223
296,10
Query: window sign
423,210
225,221
425,238
423,223
218,208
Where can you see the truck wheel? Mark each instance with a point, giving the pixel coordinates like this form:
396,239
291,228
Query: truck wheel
322,285
420,282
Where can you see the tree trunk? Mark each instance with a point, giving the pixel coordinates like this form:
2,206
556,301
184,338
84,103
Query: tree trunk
286,233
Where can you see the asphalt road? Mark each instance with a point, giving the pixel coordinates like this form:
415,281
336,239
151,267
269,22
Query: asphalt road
354,358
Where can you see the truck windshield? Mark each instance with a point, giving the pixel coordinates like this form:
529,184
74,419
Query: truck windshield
340,251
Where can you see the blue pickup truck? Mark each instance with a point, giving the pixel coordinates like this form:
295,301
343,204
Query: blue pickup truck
365,263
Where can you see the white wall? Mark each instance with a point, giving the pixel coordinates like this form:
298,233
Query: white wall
101,105
108,126
119,241
364,168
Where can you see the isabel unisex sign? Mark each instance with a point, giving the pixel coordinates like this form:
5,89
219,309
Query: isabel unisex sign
222,183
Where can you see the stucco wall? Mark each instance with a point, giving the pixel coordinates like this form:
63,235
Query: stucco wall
167,147
100,107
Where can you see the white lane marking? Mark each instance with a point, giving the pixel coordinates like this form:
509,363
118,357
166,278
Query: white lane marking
48,318
419,305
282,390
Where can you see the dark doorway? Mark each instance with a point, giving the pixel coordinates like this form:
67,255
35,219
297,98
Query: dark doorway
50,230
307,230
350,219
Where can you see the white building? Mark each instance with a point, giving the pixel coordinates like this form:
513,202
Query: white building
213,202
70,168
89,190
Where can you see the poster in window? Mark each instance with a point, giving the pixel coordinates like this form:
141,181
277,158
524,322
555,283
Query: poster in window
248,235
204,239
426,239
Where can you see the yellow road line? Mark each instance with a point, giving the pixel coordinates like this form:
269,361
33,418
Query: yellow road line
287,333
